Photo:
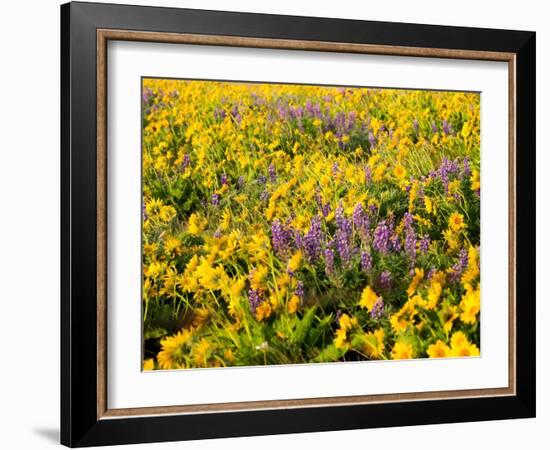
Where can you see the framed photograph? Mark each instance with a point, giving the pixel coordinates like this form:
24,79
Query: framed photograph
277,224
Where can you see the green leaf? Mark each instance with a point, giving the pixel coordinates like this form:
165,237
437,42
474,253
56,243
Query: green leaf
154,333
302,329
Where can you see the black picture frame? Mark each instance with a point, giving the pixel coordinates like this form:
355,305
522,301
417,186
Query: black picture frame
80,425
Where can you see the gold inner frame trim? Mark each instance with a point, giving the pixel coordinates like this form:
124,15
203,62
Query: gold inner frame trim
103,36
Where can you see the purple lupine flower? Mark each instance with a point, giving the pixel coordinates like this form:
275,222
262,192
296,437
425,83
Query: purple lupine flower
431,273
410,237
466,170
283,112
186,161
434,127
335,169
318,198
329,261
298,239
366,261
341,221
219,114
372,139
377,310
297,112
217,234
254,299
352,116
424,244
447,127
381,237
313,238
277,237
415,125
317,110
459,266
386,280
215,199
258,100
147,95
395,243
421,194
235,113
281,238
300,289
144,212
325,209
272,174
223,178
446,168
264,195
368,174
343,234
240,182
261,179
361,221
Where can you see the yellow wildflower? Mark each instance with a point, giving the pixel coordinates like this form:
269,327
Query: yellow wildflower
341,338
228,355
404,318
456,222
368,298
472,272
201,353
461,346
402,350
293,304
295,262
196,225
439,350
448,314
434,292
399,172
418,276
346,323
212,278
474,179
154,269
374,343
173,350
451,239
172,245
263,311
149,364
428,204
237,286
200,317
470,305
257,277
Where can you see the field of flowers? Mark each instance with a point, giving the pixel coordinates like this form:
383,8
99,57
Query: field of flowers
297,224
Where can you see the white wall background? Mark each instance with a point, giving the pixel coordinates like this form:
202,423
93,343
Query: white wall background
29,223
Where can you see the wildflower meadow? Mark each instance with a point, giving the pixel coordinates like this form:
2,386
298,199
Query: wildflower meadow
288,224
